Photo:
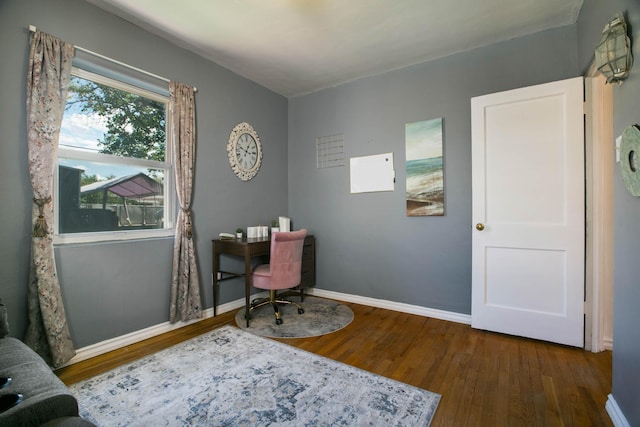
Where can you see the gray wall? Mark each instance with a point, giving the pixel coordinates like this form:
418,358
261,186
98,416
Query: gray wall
111,289
626,111
367,246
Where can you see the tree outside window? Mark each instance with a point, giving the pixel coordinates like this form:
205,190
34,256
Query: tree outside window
112,162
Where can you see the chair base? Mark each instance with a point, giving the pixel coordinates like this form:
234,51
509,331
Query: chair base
298,291
273,300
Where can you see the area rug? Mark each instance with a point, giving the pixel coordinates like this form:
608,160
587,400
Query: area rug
321,316
228,377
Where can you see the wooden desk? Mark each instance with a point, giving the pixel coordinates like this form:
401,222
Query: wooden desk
249,248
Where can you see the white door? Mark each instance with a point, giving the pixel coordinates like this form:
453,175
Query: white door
528,212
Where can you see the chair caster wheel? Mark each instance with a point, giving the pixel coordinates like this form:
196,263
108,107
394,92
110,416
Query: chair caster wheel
278,321
300,310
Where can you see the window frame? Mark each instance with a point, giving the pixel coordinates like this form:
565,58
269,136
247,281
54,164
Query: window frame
167,167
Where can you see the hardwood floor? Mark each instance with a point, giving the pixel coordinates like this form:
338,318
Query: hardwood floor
485,379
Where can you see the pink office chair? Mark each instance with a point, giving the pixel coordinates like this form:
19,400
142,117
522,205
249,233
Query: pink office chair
282,272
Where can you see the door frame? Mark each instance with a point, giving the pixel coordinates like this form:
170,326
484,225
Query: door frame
599,168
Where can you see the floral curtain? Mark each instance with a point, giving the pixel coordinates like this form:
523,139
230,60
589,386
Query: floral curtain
185,285
48,75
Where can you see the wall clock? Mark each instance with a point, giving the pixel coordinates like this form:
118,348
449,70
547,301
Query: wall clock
244,151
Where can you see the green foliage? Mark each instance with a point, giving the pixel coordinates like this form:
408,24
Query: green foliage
135,124
90,179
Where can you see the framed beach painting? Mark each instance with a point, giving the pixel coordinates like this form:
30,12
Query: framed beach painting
424,167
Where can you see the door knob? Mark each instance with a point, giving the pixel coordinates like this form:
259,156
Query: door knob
479,226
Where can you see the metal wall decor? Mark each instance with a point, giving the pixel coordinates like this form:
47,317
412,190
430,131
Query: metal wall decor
630,159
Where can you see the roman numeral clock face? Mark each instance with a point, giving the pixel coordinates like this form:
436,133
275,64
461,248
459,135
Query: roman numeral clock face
244,151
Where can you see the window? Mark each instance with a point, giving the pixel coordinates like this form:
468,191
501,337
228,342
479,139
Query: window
114,173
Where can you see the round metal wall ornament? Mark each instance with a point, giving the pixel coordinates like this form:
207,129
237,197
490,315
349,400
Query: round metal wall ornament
244,150
630,159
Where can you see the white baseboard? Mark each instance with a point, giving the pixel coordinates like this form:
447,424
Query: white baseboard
106,346
617,417
102,347
395,306
607,343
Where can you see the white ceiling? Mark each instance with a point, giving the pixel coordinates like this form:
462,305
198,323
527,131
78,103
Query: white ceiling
294,47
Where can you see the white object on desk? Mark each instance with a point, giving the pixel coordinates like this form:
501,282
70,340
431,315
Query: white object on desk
257,231
285,223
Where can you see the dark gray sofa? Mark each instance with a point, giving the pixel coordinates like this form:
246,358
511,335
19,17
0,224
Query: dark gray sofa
47,401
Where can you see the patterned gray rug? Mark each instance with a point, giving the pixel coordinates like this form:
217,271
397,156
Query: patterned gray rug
228,377
321,316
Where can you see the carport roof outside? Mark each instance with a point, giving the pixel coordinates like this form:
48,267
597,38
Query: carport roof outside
131,186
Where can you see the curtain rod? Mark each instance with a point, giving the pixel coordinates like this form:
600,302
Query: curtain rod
33,29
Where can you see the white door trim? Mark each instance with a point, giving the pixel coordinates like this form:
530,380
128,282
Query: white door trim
599,203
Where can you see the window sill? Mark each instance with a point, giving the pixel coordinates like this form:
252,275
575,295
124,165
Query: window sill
112,236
